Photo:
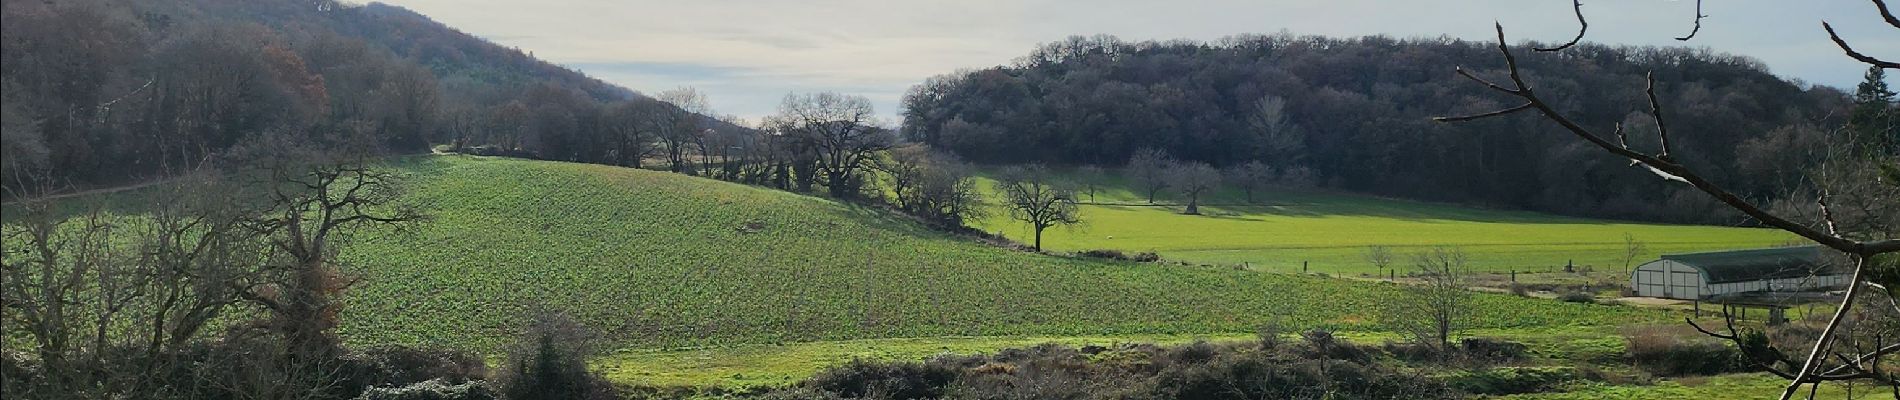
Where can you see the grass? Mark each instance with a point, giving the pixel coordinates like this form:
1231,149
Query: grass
1329,232
654,260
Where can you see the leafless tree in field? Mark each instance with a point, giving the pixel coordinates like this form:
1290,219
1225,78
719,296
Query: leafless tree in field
1632,248
1035,198
1193,180
312,199
1149,169
1862,247
1439,305
1250,178
1379,256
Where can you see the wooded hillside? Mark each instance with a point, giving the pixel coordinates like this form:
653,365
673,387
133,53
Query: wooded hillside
1355,112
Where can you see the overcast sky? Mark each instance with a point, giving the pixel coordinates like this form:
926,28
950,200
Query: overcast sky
747,54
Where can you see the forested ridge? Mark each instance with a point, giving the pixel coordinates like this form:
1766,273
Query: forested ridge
99,92
1355,113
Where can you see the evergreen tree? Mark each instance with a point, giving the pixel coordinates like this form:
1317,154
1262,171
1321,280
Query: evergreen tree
1872,122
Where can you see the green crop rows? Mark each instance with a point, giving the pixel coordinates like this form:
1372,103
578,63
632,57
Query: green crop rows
657,260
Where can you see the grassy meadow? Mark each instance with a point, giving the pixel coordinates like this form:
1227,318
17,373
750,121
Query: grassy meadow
1281,229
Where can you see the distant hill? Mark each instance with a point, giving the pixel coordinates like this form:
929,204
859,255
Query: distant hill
1355,113
108,91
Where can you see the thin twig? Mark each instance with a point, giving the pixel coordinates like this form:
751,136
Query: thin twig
1582,26
1698,22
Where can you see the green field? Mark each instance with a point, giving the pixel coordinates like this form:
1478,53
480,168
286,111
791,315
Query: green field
1330,232
655,260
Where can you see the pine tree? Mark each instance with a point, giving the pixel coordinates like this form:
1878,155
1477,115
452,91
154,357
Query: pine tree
1872,124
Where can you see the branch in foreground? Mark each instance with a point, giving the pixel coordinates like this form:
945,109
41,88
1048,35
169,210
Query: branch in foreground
1582,26
1698,22
1856,55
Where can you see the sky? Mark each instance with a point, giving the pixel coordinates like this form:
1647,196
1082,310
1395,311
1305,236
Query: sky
746,55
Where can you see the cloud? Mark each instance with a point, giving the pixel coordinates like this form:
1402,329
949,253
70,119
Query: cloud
747,54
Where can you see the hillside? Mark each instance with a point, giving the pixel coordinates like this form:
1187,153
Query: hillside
1355,112
655,259
104,92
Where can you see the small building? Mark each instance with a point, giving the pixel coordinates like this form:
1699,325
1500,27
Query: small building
1703,275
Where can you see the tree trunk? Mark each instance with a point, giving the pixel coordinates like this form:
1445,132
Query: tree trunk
1194,205
1038,238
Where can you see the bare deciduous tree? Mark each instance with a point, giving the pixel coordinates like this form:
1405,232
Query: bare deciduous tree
1632,248
841,134
1438,306
1149,169
677,125
312,200
932,185
1193,180
1250,177
1035,198
1378,256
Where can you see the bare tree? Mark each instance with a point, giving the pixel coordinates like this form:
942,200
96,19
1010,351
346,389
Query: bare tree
313,199
1193,180
841,134
1279,139
1250,177
932,185
1860,247
1632,248
1090,177
1438,306
677,126
1035,198
1378,256
1149,169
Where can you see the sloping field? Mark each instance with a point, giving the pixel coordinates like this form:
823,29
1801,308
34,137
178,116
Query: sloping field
653,259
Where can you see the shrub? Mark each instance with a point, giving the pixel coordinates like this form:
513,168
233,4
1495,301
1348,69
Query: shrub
1578,297
885,380
434,389
1494,350
1668,353
1105,254
550,362
1506,381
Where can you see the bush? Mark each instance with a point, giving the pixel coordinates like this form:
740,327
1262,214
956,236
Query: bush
1577,297
434,389
1506,381
550,362
881,380
402,366
1668,353
1494,350
1105,254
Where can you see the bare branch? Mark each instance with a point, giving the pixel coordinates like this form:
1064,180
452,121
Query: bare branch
1856,54
1582,26
1507,111
1886,14
1655,110
1698,22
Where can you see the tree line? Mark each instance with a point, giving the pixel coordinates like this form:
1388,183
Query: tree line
1353,114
